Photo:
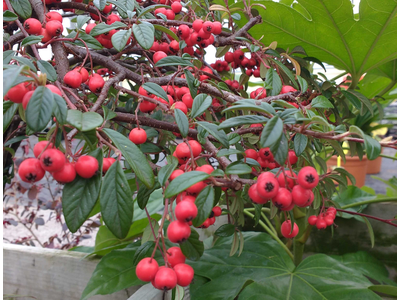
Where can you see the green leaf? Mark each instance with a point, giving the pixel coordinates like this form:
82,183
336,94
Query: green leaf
280,150
352,195
9,16
338,148
182,122
265,271
300,143
200,104
215,132
11,109
74,118
237,168
144,34
303,84
384,289
155,89
100,4
225,230
154,205
190,80
242,120
15,140
321,102
343,41
364,101
116,201
272,132
108,114
80,196
9,78
144,194
192,248
182,182
272,79
167,31
133,156
31,40
90,41
38,112
60,109
22,8
82,20
166,171
120,38
26,61
84,121
370,231
48,69
372,147
288,73
103,28
227,152
204,202
113,273
173,61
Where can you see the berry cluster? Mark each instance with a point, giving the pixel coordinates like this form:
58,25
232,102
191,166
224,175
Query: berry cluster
52,28
265,157
166,277
238,59
324,219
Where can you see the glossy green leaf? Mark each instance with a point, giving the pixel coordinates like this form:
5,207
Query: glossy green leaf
116,201
60,109
365,102
9,78
225,230
191,84
238,168
182,182
273,80
173,61
167,31
120,39
265,271
48,69
144,194
31,40
228,152
182,122
155,89
213,130
242,120
205,203
80,196
192,248
300,143
103,28
372,147
302,83
272,132
384,289
9,113
321,102
144,34
82,20
280,150
200,104
39,109
22,8
133,156
166,171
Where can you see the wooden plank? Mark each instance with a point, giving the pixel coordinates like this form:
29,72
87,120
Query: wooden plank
49,274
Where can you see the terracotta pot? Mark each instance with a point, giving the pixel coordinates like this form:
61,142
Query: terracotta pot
374,166
355,166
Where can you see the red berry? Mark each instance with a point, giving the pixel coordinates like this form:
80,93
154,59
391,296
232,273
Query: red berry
16,93
183,31
182,91
184,197
147,269
87,166
33,26
54,89
286,89
174,47
290,182
107,8
217,211
52,160
147,106
178,231
184,272
182,106
283,199
26,99
238,55
176,7
175,174
320,224
30,170
196,188
292,157
251,153
186,211
175,256
328,220
39,147
332,209
206,169
54,28
266,154
267,187
286,229
107,162
263,163
138,136
300,195
188,100
217,29
170,14
96,83
89,27
158,56
113,18
84,73
196,147
73,79
255,196
66,174
229,57
308,177
208,26
197,25
53,16
312,220
165,279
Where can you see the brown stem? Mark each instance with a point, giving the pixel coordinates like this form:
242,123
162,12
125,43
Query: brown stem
367,216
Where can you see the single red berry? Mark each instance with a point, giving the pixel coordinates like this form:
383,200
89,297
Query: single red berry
217,28
206,223
178,231
196,147
310,198
206,169
87,166
290,182
54,28
300,195
176,7
16,93
283,199
46,37
286,89
255,196
169,14
33,26
185,197
197,25
182,106
266,154
238,55
320,224
147,269
229,57
208,26
54,89
175,174
113,18
286,229
251,153
66,174
332,209
30,170
183,31
196,188
158,56
292,157
52,160
138,136
188,100
174,47
39,147
53,16
26,99
147,106
328,220
73,79
84,73
308,177
96,83
107,8
89,27
186,211
184,273
175,256
312,220
267,187
107,162
165,279
217,211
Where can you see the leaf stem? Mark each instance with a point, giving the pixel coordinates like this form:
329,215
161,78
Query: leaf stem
388,199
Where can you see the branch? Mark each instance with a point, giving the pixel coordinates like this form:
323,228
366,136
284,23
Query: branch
367,216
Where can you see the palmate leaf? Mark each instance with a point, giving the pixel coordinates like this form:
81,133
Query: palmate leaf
273,275
332,33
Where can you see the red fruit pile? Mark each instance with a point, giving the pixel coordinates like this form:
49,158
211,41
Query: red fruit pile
324,219
238,59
